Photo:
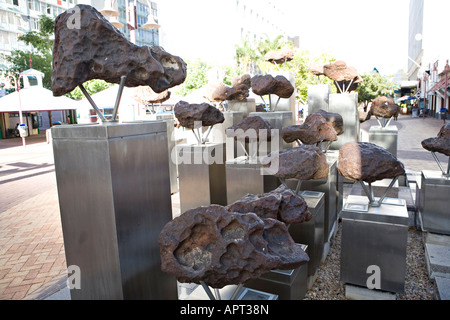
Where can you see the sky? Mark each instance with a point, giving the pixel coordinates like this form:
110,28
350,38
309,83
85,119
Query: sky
365,34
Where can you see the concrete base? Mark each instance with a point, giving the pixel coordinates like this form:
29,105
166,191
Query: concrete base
437,255
359,293
441,288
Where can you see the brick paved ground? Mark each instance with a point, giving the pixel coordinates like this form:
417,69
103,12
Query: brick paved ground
31,244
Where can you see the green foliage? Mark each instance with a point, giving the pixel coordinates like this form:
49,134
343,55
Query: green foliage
247,53
374,85
41,54
196,77
91,86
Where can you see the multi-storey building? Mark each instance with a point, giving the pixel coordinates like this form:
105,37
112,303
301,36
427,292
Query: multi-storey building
20,16
428,53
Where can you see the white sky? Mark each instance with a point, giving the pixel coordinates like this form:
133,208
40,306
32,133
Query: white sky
363,33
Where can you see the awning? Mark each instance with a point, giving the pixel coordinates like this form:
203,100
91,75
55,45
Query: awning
440,85
35,99
406,98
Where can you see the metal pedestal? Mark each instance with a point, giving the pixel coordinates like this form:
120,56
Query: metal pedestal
346,104
246,106
334,155
114,194
318,97
287,284
434,202
201,172
277,120
385,137
169,119
374,238
244,176
218,132
311,232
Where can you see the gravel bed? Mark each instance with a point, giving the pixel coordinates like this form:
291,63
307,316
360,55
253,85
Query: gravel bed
418,286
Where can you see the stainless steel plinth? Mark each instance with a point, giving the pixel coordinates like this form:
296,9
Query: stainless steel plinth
434,202
287,284
245,176
201,175
218,134
169,119
318,97
345,104
385,137
246,106
311,232
374,238
334,154
114,194
277,120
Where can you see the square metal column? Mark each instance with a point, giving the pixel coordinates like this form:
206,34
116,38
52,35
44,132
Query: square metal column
218,134
114,195
245,176
318,97
434,202
373,243
346,104
311,232
246,106
277,120
385,137
201,172
287,284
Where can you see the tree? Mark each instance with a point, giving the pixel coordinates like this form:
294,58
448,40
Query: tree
196,77
374,85
40,54
40,57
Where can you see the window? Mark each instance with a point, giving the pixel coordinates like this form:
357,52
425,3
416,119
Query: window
16,2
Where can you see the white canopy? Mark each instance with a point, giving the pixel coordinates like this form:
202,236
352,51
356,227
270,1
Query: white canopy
35,98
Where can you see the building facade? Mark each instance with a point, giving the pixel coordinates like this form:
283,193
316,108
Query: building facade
428,53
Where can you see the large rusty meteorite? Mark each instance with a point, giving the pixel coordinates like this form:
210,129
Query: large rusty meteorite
220,248
368,162
94,49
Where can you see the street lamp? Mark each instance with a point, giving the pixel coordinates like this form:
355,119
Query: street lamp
151,23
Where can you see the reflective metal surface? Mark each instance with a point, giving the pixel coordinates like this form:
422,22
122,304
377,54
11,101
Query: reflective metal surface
201,182
244,176
277,120
318,97
434,202
246,106
114,195
376,237
311,232
169,119
287,284
345,104
385,137
218,132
